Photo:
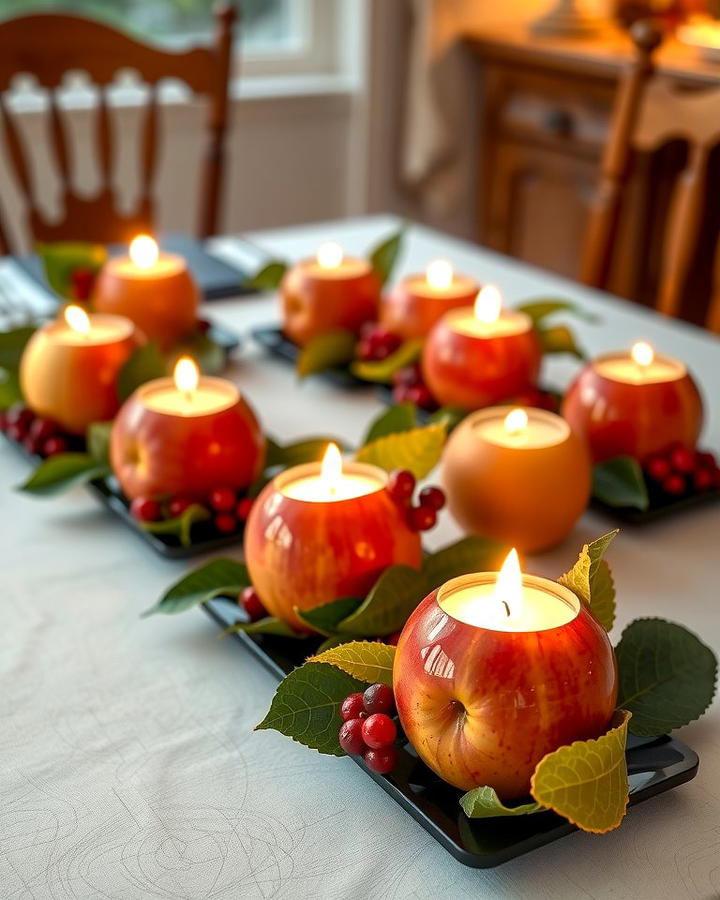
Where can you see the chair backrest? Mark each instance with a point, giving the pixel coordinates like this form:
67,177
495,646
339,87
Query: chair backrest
47,47
648,114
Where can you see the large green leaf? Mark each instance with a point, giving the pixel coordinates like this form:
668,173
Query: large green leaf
395,419
219,578
10,392
666,675
382,370
587,782
143,364
267,278
484,803
61,472
542,307
367,661
306,706
179,526
12,345
61,259
327,617
450,416
393,597
591,580
559,339
326,351
418,450
620,482
470,554
384,256
98,441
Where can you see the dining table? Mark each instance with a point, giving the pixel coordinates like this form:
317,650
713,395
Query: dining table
130,767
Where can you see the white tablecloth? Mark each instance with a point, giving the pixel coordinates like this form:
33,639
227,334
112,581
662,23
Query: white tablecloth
129,765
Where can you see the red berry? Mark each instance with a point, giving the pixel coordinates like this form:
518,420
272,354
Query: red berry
82,280
3,420
33,445
222,499
252,604
242,510
364,351
420,395
381,761
203,326
54,445
378,698
15,433
21,417
707,460
352,706
658,468
351,736
393,638
674,484
401,485
421,518
682,460
41,429
432,497
407,377
145,509
703,480
225,522
379,731
177,506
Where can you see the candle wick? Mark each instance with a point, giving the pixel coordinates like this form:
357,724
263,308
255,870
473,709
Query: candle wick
507,608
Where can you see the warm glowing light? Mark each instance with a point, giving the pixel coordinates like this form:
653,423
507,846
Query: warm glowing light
642,353
331,467
77,319
516,421
330,255
488,304
439,274
144,251
508,587
186,375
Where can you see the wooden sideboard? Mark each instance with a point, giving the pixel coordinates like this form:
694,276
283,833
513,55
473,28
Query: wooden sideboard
545,119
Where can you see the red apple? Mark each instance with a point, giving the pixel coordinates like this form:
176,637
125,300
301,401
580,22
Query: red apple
482,707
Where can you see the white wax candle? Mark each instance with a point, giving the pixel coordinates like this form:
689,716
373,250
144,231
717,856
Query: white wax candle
307,483
104,329
167,265
623,368
464,321
212,395
542,428
460,286
349,267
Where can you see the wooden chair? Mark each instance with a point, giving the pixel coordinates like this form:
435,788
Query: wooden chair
47,47
648,114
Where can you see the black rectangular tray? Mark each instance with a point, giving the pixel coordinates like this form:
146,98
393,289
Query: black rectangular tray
657,510
655,765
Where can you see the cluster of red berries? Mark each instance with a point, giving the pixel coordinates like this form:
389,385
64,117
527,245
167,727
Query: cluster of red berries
409,387
82,282
250,601
401,486
39,436
227,508
376,343
368,729
679,470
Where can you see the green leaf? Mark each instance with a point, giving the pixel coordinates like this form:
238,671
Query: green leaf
61,259
180,526
327,617
98,441
395,419
384,256
587,782
10,392
335,640
590,579
143,364
450,416
12,345
326,351
365,660
306,706
484,803
308,450
382,370
559,339
267,278
666,675
61,472
392,598
268,625
219,578
418,450
619,482
540,309
471,554
200,347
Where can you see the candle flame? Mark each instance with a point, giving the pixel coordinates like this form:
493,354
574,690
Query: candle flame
642,353
488,304
331,467
77,319
144,251
439,274
186,375
330,255
508,587
516,421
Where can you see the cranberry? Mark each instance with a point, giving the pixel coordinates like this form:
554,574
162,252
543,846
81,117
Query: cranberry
401,485
707,460
420,395
242,510
177,506
41,429
658,468
222,499
407,377
54,445
378,698
682,459
421,518
20,416
33,445
381,761
379,731
81,281
351,736
674,484
364,351
145,509
15,433
203,326
225,523
703,480
352,706
252,604
432,497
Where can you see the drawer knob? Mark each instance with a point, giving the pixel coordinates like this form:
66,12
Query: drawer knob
559,122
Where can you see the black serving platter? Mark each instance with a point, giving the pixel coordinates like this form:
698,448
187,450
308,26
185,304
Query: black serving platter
661,507
655,765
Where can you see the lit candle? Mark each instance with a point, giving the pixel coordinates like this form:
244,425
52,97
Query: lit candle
520,476
480,355
415,304
494,670
635,403
327,293
185,435
69,368
155,289
322,531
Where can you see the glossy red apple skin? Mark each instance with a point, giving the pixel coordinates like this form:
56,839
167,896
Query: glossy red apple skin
313,304
483,707
304,555
472,372
413,315
618,419
157,455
